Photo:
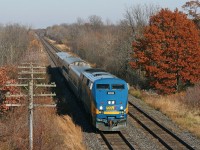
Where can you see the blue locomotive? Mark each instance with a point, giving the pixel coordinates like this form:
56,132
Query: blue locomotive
104,96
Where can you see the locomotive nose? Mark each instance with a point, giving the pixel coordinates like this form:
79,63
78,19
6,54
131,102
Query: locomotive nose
111,122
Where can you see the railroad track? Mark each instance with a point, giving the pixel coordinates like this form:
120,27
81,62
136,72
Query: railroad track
50,49
50,45
168,139
116,140
113,140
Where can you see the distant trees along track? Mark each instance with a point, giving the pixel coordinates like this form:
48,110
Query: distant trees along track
116,140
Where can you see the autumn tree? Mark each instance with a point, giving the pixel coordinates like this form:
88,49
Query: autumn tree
169,51
5,74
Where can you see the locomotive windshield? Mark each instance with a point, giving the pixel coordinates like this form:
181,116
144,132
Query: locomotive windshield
102,86
118,86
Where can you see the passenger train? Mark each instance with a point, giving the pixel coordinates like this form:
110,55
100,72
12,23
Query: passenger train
104,96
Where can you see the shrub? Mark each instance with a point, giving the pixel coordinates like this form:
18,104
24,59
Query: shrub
136,93
192,97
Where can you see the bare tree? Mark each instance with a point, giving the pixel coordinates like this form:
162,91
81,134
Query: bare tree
80,21
95,21
193,11
14,40
108,46
138,16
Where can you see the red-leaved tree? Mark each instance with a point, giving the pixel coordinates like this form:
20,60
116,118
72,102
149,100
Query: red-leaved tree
4,78
169,51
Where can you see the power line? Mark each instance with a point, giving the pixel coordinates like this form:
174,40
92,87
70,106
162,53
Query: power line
30,86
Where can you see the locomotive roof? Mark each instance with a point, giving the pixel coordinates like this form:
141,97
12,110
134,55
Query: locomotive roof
96,74
79,69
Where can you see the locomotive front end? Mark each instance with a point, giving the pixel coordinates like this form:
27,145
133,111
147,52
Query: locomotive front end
111,97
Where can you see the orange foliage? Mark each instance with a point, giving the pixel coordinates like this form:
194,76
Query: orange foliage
34,45
4,71
169,51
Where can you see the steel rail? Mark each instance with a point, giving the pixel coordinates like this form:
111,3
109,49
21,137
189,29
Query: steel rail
55,48
115,133
48,50
160,126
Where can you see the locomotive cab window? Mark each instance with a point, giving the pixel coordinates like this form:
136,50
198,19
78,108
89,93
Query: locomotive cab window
118,86
102,86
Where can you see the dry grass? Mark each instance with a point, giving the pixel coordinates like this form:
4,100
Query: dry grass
192,97
173,107
63,47
73,139
50,130
56,132
135,92
14,130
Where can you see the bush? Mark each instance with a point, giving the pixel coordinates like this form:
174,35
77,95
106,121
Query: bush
136,93
192,97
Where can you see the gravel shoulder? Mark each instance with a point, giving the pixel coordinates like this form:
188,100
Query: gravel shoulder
142,140
167,122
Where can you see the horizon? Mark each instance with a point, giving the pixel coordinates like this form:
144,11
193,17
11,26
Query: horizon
37,16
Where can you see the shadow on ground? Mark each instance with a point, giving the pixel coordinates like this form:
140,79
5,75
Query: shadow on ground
67,103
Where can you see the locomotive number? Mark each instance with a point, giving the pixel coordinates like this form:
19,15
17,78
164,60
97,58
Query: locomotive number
110,108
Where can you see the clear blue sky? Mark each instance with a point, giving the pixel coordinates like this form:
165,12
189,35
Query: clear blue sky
43,13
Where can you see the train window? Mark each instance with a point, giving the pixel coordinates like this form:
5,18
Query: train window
102,86
118,86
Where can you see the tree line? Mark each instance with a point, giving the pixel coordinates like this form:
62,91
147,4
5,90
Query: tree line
150,48
105,44
14,41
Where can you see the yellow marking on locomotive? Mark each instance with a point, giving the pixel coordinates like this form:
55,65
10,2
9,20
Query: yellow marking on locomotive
110,108
126,110
111,112
93,109
97,111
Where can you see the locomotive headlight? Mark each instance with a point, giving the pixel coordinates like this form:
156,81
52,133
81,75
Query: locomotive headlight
111,102
101,108
121,107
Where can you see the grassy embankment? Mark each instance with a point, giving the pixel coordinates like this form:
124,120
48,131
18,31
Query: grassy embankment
174,106
51,131
63,47
186,116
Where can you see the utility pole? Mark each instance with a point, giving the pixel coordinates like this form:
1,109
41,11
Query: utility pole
30,86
